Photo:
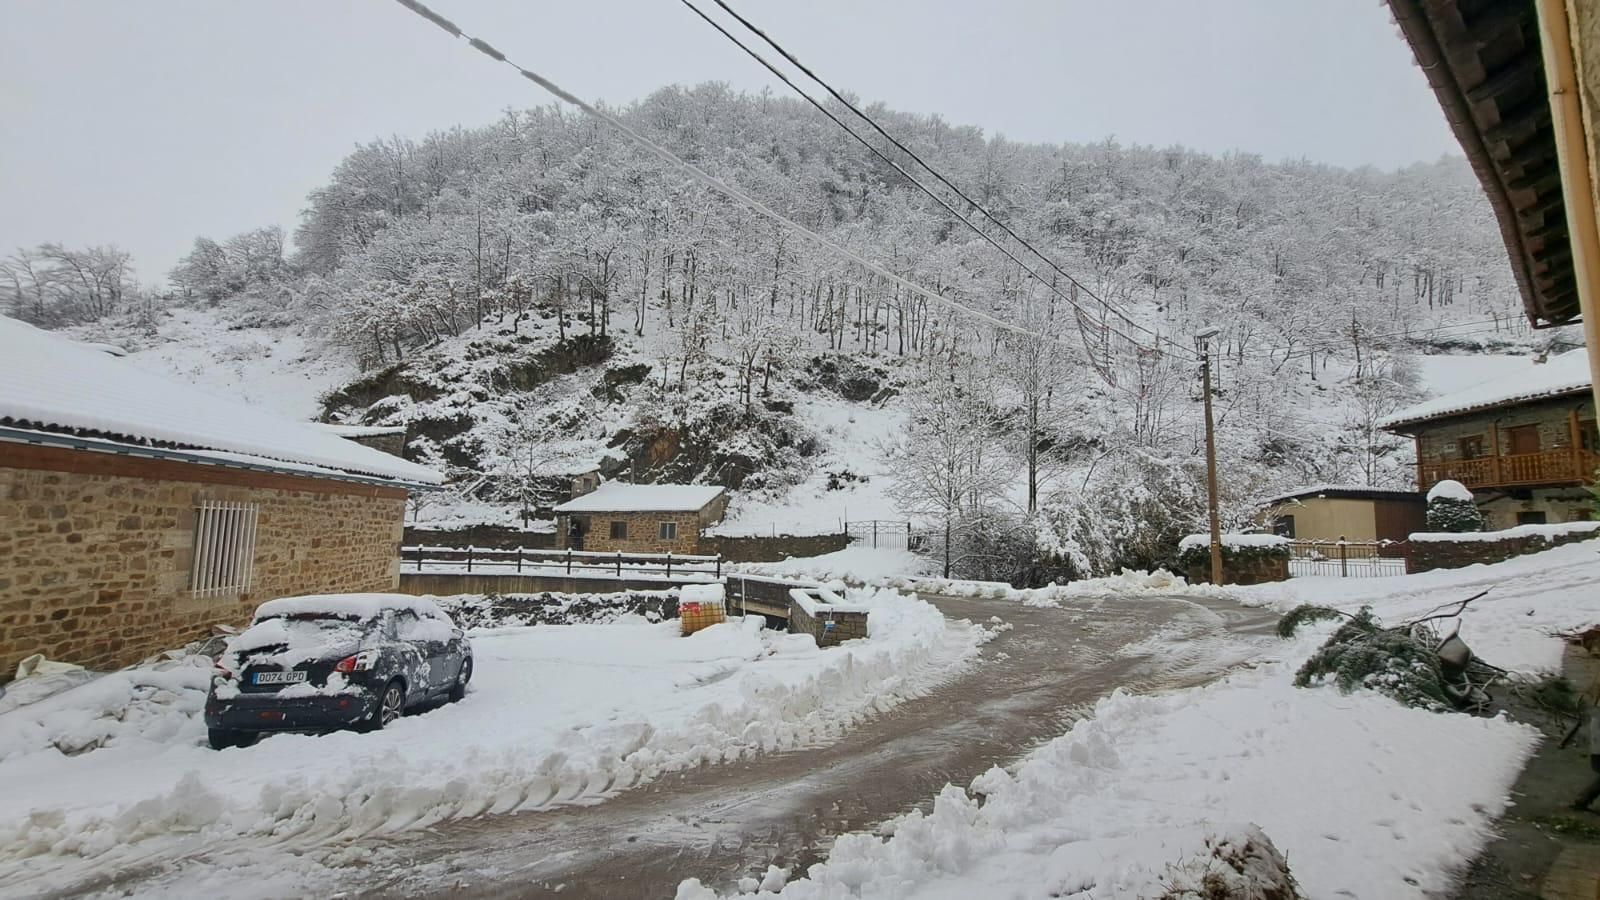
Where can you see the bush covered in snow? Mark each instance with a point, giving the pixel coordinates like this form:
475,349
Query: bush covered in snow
1451,508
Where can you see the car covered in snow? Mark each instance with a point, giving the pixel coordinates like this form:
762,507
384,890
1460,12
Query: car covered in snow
326,662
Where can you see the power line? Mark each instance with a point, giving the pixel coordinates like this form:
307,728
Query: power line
907,175
716,183
904,149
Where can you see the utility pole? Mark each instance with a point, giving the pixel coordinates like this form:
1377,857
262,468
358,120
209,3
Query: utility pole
1203,344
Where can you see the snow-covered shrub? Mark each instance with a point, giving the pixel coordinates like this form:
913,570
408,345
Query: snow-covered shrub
1131,516
1244,865
1452,508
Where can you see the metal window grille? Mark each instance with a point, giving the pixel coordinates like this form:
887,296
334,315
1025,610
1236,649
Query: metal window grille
224,547
668,531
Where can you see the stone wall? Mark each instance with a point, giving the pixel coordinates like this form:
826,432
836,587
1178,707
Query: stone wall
500,537
829,628
97,563
643,534
1424,556
761,548
1253,570
1441,442
392,443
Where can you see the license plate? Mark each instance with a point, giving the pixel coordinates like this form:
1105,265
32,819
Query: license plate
279,677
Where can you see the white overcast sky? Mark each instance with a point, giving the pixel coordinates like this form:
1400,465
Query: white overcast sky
147,123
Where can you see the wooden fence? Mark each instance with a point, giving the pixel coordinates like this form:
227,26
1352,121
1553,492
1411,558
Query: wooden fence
526,560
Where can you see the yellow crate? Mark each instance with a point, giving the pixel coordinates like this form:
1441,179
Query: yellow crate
698,616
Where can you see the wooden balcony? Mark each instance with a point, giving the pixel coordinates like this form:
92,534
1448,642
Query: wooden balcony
1547,468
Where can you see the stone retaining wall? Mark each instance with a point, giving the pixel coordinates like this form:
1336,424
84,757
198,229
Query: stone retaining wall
763,548
1425,556
1255,570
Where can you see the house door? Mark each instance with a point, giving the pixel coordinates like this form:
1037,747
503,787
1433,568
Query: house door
1522,439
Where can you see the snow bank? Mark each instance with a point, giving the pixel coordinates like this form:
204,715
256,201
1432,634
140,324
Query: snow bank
1553,530
1450,490
1109,808
556,714
860,565
159,702
1530,598
1126,583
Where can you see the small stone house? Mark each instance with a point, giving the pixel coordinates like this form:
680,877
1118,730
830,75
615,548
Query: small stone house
640,518
390,439
137,512
1332,512
1525,445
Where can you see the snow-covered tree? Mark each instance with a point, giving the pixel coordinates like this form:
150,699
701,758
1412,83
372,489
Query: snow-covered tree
1451,507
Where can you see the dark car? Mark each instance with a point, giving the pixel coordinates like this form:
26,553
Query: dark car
322,663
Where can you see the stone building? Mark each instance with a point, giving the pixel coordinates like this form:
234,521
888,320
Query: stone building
391,439
1525,445
640,518
137,512
1332,512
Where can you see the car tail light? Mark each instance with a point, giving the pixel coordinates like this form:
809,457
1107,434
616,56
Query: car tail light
360,662
221,670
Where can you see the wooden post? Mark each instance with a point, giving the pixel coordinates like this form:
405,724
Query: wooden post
619,563
519,560
1494,452
1344,559
469,557
1574,446
669,563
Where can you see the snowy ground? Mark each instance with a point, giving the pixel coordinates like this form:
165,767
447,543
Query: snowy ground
556,714
1137,785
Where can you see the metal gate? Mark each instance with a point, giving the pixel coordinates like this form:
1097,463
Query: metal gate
888,533
1347,559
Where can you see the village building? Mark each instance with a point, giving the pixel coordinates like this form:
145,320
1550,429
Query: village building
1525,445
136,512
640,518
1331,512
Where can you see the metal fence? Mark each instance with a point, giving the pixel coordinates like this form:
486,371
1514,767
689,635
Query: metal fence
890,533
1347,559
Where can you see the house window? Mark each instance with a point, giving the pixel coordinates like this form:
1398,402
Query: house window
1470,447
667,531
1283,526
1535,517
619,531
224,548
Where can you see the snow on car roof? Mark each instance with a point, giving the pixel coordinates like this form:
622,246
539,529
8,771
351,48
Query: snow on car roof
615,496
50,383
1567,373
358,606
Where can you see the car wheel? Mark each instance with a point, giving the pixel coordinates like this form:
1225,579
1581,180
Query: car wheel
390,706
459,689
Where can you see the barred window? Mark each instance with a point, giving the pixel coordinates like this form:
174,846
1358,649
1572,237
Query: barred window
224,547
668,531
619,531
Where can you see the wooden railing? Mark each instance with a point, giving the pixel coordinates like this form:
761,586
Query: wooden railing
1563,466
524,560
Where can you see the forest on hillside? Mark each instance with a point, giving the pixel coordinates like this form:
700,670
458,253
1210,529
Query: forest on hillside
1321,280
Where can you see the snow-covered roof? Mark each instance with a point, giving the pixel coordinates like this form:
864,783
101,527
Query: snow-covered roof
51,384
358,431
614,496
1358,491
1559,376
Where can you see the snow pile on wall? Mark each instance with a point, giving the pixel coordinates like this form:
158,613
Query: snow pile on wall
859,565
1111,807
1547,532
1233,541
1126,583
556,715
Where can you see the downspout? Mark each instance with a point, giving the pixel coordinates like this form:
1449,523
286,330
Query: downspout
1572,154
